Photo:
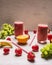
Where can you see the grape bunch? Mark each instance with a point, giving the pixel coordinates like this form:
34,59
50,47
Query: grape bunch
47,51
6,30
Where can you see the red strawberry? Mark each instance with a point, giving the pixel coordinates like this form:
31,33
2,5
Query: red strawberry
18,52
6,51
8,39
30,56
35,48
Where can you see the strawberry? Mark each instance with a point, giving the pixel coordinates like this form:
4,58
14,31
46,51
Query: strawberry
18,52
8,39
30,56
6,51
35,48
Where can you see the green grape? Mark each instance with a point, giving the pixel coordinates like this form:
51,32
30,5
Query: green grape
47,45
5,33
9,26
0,35
7,30
3,37
12,32
42,50
2,32
47,48
42,55
50,52
12,28
5,25
45,53
51,46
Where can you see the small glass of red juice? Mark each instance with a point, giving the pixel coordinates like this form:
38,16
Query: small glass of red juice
42,33
18,28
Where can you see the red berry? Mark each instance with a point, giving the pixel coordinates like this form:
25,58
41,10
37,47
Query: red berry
34,31
8,39
26,31
30,56
6,50
35,48
18,51
49,36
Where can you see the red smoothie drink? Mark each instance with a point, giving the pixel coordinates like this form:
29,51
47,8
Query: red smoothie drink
42,33
18,28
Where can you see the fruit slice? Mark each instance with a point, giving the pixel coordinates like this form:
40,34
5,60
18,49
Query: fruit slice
4,43
22,38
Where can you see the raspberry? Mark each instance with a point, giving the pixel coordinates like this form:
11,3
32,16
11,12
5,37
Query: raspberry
8,39
35,48
30,56
26,31
6,51
34,31
18,52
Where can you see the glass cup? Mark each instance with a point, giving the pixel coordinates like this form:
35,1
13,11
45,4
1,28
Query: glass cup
18,28
42,33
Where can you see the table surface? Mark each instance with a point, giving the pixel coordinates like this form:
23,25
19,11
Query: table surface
22,60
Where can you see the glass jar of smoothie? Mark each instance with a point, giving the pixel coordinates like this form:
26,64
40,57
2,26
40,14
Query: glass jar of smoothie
18,28
42,33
